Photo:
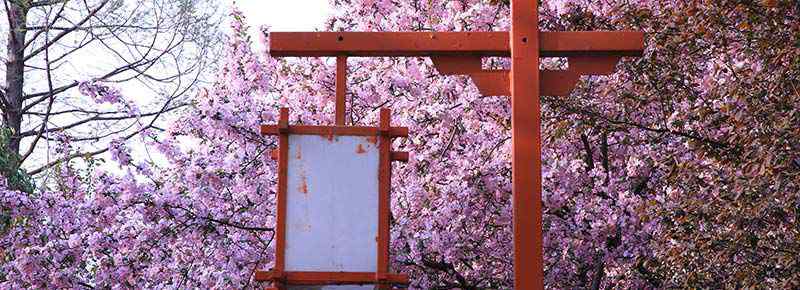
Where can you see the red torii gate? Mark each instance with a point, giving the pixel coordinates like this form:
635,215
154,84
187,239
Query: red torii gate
453,53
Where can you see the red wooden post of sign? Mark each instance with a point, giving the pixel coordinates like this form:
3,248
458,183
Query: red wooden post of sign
526,160
454,53
341,88
385,185
283,159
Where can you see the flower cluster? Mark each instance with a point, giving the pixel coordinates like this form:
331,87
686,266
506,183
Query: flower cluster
100,92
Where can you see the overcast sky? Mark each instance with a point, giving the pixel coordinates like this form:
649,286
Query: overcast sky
285,15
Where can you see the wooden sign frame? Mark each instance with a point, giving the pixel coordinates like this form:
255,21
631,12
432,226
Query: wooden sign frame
384,134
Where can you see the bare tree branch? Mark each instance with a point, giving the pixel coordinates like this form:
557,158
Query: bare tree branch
55,19
100,151
46,3
152,44
49,104
55,39
48,93
97,119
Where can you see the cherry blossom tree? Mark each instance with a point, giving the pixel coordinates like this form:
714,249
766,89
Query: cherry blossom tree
681,170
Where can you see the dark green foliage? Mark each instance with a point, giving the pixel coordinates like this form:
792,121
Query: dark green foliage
16,179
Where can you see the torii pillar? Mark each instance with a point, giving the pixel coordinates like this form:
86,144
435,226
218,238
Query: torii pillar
588,53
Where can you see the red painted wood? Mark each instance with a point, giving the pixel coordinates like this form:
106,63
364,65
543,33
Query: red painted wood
333,130
526,153
384,189
552,82
552,44
283,167
401,156
329,278
341,89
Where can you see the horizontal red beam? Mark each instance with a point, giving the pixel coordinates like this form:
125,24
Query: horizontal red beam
552,82
333,130
330,278
401,156
552,44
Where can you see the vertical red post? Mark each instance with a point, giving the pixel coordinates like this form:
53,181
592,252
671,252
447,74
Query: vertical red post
526,161
283,167
384,188
341,89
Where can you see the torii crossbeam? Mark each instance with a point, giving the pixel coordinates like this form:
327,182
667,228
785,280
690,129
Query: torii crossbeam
588,53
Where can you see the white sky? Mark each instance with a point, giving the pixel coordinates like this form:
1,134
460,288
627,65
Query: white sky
286,15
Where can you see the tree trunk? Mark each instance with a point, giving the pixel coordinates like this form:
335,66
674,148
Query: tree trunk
599,274
15,65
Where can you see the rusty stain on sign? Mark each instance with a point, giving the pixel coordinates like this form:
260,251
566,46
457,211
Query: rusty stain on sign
303,184
330,134
360,149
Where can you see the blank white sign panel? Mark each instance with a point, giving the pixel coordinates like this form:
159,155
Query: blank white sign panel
332,205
